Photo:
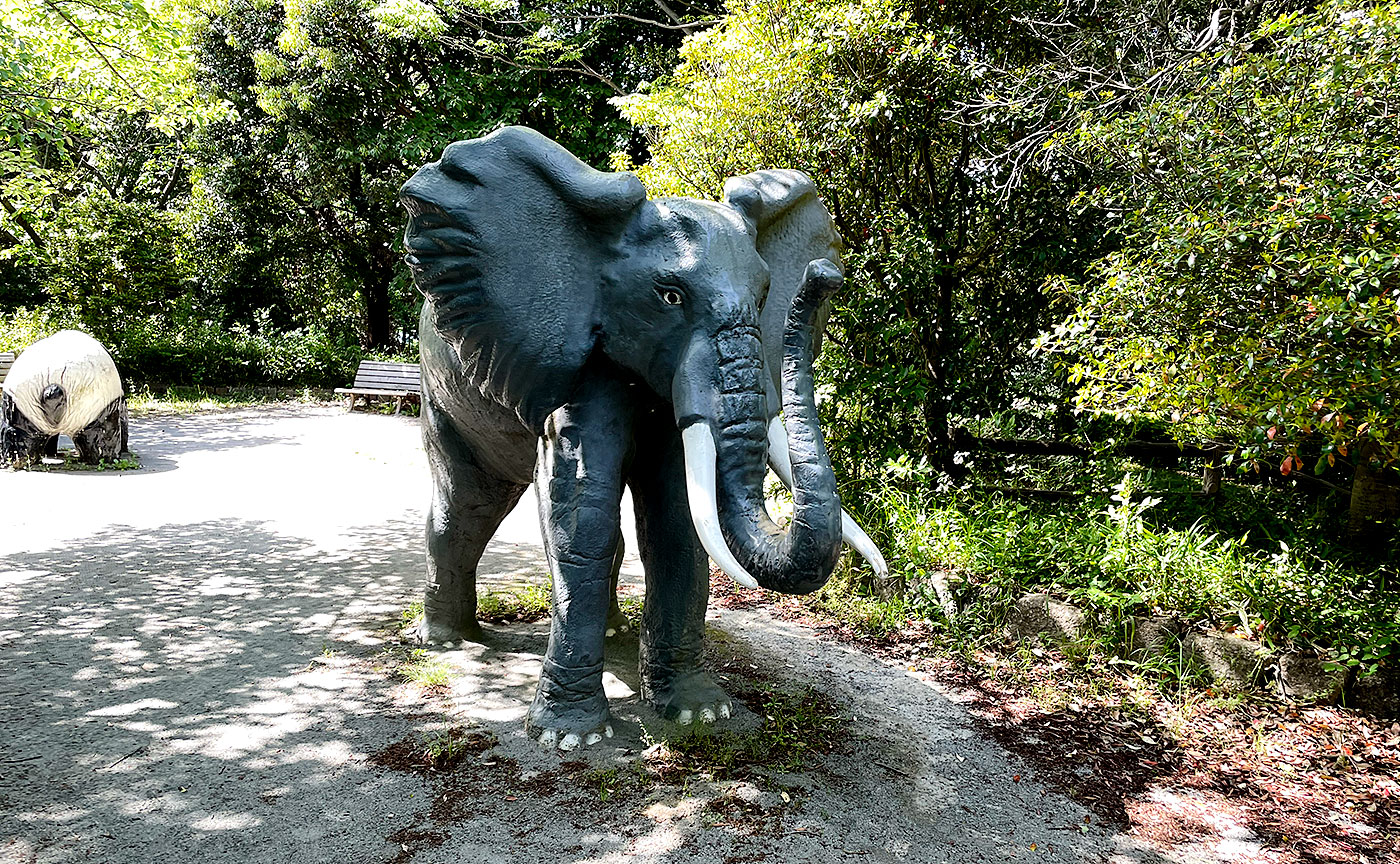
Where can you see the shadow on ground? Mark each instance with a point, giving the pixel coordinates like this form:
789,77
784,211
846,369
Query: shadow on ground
213,690
158,692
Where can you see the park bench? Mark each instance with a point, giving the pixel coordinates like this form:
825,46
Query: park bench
7,359
377,380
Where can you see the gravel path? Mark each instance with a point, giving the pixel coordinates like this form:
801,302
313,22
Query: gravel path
196,659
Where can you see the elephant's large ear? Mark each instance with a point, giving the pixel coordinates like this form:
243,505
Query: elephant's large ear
793,228
507,239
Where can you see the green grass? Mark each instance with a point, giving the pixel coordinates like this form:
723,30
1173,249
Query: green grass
797,727
411,615
530,603
631,608
427,670
1267,563
190,400
446,748
129,462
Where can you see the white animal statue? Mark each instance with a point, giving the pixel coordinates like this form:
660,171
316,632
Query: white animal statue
68,385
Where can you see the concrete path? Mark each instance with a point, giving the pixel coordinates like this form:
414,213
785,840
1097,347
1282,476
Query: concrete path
196,664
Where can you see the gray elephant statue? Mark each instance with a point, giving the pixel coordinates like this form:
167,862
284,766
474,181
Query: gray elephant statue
580,335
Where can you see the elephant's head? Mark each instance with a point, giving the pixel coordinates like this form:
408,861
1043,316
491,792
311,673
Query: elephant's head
534,262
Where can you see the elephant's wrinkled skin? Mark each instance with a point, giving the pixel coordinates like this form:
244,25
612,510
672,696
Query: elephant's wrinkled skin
581,335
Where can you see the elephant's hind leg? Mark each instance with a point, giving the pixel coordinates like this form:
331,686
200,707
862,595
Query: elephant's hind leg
468,505
104,438
617,619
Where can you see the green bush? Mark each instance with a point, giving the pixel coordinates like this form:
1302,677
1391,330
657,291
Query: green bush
126,274
161,352
109,264
23,327
1130,555
183,348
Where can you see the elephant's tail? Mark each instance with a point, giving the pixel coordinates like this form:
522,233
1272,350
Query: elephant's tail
53,402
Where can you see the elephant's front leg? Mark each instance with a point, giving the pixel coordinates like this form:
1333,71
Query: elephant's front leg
677,569
579,482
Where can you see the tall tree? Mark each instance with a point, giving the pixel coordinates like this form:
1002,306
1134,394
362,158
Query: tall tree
336,102
946,258
1255,294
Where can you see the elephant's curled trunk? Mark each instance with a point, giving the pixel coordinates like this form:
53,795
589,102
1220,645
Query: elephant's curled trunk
800,558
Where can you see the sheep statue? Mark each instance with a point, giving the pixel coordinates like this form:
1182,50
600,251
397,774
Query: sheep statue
68,385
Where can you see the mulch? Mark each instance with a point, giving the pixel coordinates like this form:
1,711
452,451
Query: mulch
1312,784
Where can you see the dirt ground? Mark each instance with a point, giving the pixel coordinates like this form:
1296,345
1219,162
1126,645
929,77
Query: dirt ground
202,658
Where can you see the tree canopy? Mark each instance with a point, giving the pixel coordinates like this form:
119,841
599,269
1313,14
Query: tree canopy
1255,293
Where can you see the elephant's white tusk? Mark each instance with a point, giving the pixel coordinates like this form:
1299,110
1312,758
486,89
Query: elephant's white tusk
778,455
781,459
855,535
699,445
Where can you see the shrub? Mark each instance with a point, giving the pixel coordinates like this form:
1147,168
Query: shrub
185,348
1129,555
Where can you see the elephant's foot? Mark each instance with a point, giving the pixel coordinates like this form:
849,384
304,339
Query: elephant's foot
447,625
690,697
618,624
568,717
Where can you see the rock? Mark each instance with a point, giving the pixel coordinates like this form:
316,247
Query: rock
1154,636
1377,694
1303,678
1232,662
1041,615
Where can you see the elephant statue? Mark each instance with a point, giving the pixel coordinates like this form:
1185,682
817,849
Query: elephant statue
579,335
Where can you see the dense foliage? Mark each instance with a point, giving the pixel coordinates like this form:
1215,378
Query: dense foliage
1255,293
210,188
945,260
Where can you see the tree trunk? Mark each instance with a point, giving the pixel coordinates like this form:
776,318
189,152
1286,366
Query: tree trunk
1375,497
1210,478
377,318
377,276
937,407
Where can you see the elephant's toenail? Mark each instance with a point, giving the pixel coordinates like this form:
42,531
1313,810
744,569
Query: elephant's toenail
607,730
592,738
549,737
685,717
707,715
570,741
724,710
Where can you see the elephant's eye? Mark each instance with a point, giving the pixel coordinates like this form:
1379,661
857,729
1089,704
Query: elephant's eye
670,296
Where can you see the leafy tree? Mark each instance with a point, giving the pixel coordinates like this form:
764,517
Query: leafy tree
336,102
1255,294
946,258
96,99
98,107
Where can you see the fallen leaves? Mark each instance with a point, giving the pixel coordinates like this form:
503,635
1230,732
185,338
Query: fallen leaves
1318,785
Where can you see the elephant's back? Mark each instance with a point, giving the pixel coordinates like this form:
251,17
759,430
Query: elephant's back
494,434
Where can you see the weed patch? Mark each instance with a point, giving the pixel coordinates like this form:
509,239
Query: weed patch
191,400
797,728
426,669
1145,547
68,461
411,615
443,750
530,603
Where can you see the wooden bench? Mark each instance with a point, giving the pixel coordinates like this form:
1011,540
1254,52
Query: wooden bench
376,380
7,359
